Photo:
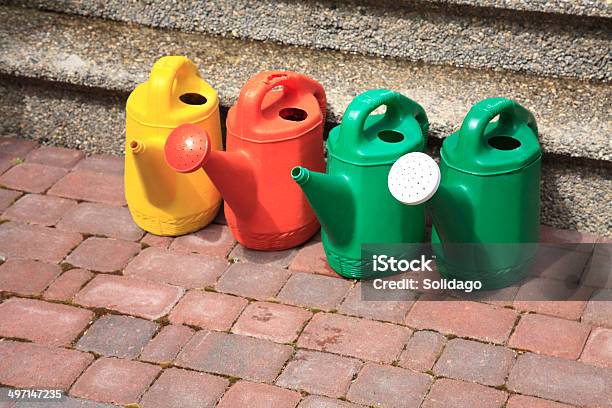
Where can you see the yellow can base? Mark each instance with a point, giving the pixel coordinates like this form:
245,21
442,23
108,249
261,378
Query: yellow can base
174,226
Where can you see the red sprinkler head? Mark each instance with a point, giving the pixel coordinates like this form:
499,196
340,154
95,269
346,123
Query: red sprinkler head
186,148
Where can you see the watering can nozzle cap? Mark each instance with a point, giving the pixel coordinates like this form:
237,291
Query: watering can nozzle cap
414,178
187,147
300,175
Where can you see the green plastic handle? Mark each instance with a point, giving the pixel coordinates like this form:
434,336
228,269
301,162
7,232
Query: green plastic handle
399,108
471,139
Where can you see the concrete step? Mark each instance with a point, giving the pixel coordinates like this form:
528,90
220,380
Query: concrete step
573,116
549,38
591,8
64,80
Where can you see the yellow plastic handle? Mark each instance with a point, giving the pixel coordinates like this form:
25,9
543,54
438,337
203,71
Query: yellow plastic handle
165,72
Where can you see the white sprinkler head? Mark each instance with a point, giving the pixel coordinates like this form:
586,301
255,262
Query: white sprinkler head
414,178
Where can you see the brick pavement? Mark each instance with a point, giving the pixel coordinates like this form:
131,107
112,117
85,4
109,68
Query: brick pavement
94,306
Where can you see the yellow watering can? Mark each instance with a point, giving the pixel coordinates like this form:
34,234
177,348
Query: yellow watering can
162,201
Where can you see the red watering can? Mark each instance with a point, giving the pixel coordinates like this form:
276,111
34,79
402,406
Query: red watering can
276,124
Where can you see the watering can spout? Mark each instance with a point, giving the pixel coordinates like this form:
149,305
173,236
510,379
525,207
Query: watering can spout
331,199
146,166
188,149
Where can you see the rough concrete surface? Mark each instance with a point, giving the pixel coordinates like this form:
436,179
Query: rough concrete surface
573,116
527,36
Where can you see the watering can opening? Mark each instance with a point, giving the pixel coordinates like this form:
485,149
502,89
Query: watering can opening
300,175
192,98
293,114
136,146
186,148
504,143
390,136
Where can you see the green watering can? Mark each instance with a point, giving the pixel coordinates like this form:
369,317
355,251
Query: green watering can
484,199
352,201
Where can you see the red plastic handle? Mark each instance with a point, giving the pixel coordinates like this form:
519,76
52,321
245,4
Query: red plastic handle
252,95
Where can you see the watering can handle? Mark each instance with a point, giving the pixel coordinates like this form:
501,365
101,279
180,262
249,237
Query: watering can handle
471,139
165,72
398,107
252,97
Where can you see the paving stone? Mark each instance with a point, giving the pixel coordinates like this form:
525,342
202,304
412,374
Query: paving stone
598,349
280,259
552,297
447,393
422,350
316,291
207,310
16,147
167,344
26,277
523,401
562,236
319,373
503,297
6,404
90,186
468,360
7,197
550,335
311,258
378,385
272,321
30,365
565,263
115,380
55,156
253,281
353,337
184,389
156,241
103,254
463,319
597,273
42,322
234,355
117,336
175,268
102,163
150,300
392,310
35,242
101,219
30,177
214,240
598,311
254,395
6,162
561,380
68,284
316,401
39,209
67,402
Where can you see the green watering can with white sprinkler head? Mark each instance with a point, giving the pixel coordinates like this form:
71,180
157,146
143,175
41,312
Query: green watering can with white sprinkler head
351,199
484,199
